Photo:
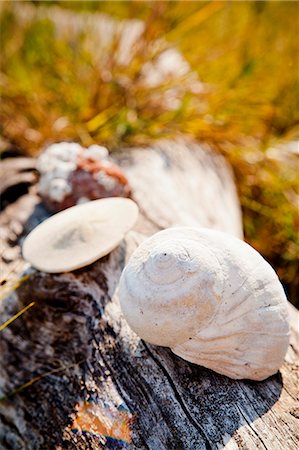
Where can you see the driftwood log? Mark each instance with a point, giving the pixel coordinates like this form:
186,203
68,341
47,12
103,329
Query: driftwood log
74,376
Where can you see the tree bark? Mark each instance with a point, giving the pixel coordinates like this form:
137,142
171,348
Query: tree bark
74,376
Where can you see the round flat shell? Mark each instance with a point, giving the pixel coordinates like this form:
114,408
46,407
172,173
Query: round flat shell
80,235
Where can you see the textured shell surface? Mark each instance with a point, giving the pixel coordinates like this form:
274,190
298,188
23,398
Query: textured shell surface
211,298
70,174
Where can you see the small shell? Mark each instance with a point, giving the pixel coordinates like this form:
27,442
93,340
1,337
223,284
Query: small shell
210,297
70,173
79,235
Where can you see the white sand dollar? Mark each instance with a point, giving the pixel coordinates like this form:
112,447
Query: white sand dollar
80,235
211,298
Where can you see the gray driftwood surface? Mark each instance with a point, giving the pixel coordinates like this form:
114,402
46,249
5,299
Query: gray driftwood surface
88,381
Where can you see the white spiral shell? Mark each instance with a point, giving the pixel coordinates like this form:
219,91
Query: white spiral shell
211,298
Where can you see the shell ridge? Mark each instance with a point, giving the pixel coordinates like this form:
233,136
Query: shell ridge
204,242
206,340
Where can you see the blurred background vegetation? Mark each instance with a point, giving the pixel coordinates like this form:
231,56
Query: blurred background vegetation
111,72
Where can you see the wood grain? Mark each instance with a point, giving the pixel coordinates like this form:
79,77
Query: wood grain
91,382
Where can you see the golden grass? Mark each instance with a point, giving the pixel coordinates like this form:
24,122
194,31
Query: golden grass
38,378
13,318
60,81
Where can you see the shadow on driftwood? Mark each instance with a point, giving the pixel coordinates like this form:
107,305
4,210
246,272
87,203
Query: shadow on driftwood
38,215
78,357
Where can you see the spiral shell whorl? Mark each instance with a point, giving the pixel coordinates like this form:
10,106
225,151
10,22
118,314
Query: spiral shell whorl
167,265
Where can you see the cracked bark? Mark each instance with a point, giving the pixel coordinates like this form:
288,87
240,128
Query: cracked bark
91,382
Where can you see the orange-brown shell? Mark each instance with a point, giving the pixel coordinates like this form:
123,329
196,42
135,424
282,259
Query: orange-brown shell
92,179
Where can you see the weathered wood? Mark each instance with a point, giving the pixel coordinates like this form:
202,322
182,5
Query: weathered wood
92,383
14,171
16,175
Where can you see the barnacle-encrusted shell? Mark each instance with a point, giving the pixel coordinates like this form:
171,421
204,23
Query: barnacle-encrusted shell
210,297
71,174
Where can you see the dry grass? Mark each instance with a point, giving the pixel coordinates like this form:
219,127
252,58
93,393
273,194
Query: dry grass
63,77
